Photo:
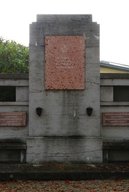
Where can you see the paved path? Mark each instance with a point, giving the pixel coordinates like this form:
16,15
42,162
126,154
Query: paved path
64,171
62,186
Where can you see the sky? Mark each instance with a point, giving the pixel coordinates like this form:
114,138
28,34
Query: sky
112,15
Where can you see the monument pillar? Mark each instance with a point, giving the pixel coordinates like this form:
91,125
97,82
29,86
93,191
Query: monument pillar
64,90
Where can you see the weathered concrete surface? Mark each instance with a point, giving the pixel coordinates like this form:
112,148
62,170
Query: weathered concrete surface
63,149
14,119
106,93
22,94
108,105
64,111
20,81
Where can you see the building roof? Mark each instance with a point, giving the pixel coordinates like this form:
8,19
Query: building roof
113,65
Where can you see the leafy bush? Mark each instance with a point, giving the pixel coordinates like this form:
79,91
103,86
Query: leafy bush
14,57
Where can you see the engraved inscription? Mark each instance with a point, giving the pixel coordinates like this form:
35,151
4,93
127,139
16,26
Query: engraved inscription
64,62
9,119
115,119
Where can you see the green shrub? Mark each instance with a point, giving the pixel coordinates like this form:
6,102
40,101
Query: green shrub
14,57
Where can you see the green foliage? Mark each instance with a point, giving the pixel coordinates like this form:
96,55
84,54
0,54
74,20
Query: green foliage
14,57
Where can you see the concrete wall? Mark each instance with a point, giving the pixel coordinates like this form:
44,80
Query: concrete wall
21,104
64,112
64,145
14,119
108,81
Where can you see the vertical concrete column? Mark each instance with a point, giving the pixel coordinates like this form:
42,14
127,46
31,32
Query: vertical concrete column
64,81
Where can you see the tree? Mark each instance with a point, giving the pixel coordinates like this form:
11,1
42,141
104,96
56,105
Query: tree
14,57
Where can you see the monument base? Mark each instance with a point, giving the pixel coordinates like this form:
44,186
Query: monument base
64,149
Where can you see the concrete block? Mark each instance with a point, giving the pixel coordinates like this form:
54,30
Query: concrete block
62,149
11,82
64,18
106,93
92,55
115,133
22,94
13,132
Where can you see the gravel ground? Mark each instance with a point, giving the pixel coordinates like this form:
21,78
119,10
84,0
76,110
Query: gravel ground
62,186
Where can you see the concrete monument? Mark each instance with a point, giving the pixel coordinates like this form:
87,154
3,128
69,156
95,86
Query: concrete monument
64,81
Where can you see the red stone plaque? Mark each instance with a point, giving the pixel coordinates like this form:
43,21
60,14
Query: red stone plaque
12,119
115,119
64,62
